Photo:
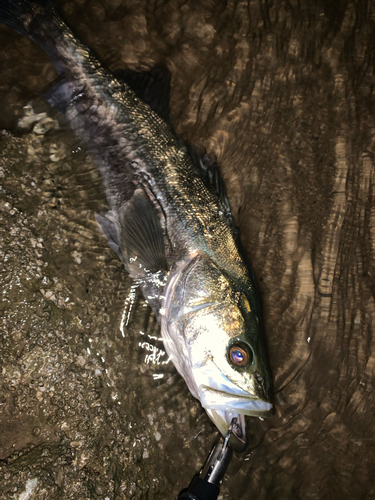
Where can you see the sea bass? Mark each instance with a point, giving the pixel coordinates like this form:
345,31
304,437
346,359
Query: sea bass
170,221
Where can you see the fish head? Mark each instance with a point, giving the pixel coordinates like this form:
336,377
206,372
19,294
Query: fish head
212,331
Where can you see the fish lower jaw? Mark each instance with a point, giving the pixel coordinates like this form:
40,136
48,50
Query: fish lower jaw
212,399
257,408
225,418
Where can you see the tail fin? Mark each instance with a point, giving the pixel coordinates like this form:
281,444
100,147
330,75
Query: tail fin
19,14
40,21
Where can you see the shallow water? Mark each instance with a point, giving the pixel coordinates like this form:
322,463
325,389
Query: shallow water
283,96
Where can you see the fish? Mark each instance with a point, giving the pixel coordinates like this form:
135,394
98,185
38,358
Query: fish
169,221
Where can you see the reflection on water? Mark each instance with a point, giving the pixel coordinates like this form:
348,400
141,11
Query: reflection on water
90,407
154,353
129,303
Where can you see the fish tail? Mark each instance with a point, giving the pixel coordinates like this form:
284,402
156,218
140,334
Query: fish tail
41,22
22,15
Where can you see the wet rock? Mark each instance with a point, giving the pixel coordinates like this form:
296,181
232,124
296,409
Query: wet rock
40,123
282,94
45,125
67,370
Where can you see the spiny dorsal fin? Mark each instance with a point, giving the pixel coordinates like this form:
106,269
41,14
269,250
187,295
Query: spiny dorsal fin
210,174
152,87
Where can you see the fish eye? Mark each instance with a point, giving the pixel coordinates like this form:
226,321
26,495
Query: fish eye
240,354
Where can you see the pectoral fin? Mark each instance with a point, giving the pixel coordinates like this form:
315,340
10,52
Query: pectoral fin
142,239
135,234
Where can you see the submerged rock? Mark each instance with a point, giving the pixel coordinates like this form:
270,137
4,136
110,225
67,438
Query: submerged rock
74,392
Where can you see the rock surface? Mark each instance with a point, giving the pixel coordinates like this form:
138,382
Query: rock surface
283,95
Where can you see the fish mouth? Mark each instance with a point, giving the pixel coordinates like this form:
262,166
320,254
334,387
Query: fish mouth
225,421
228,410
224,401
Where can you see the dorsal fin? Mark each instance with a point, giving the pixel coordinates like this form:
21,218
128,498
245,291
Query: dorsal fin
210,174
152,87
